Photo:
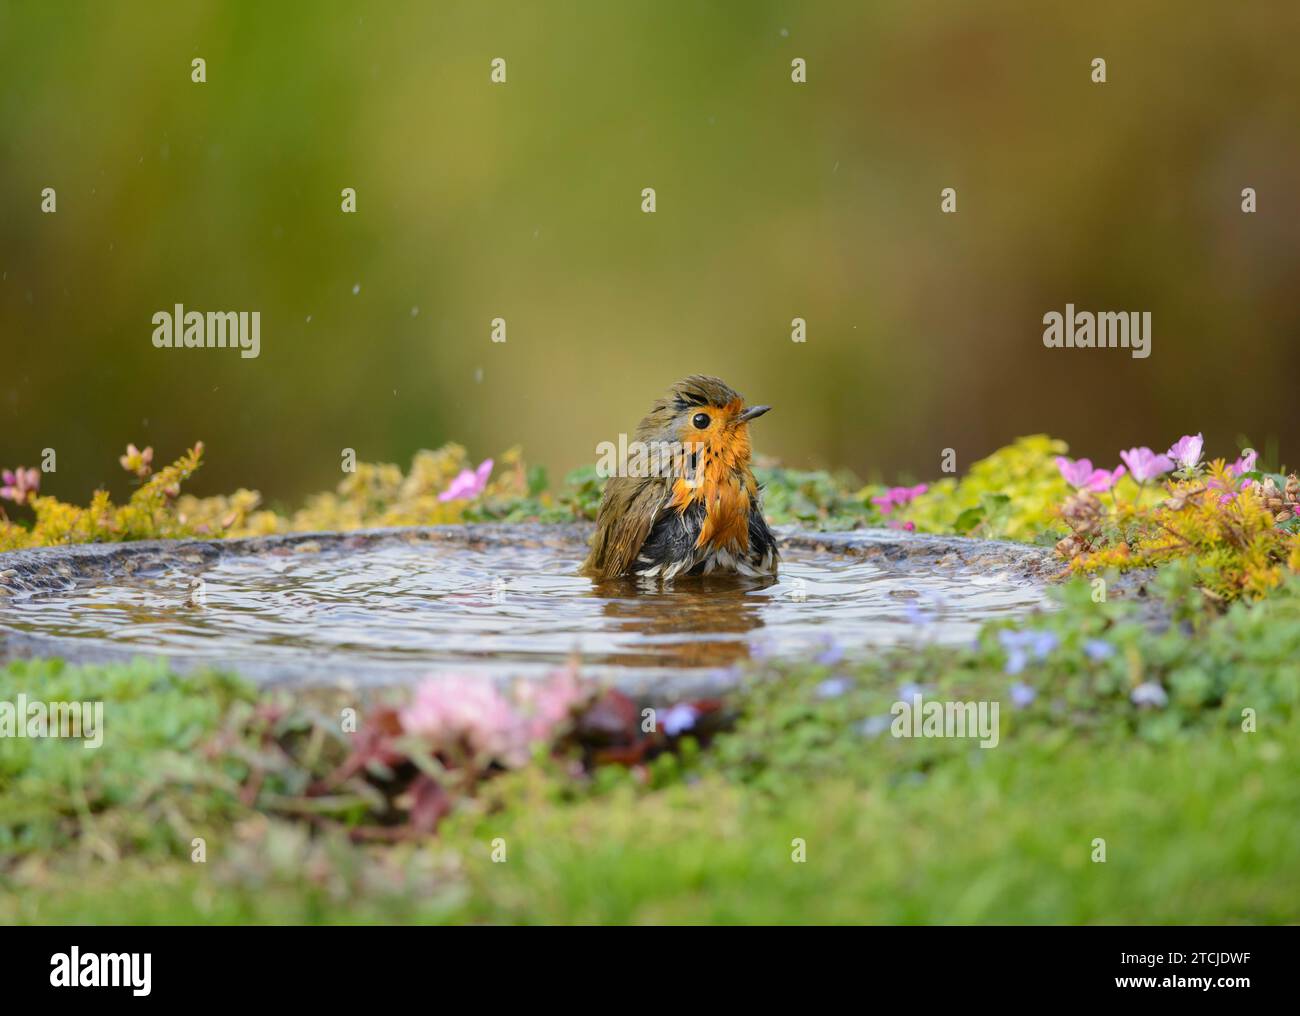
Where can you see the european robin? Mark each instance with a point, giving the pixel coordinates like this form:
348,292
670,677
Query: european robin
699,512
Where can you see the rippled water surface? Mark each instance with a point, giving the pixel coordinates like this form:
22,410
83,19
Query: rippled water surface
393,610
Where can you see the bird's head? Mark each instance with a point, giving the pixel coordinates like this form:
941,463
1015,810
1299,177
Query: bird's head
705,413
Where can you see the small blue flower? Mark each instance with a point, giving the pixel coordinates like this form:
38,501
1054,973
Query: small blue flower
909,690
831,654
923,610
1149,693
1098,650
1018,645
1043,643
679,718
833,687
1022,695
917,615
874,726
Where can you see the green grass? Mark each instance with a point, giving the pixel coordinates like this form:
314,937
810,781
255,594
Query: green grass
1200,831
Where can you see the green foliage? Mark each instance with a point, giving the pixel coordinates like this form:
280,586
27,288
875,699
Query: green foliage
149,514
142,787
373,495
584,489
816,499
1008,494
1012,494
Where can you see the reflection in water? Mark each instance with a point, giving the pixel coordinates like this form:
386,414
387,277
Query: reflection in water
693,624
390,611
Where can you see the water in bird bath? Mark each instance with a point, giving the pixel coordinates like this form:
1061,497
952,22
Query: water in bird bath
389,606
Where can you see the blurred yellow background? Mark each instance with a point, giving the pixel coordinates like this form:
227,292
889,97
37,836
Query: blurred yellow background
522,201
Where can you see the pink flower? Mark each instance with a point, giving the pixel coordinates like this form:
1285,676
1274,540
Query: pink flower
1077,473
1145,464
549,705
469,484
1081,476
458,714
909,526
896,497
1243,465
1101,481
1187,451
20,485
1246,463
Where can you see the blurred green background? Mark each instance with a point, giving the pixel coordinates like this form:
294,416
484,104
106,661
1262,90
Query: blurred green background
522,201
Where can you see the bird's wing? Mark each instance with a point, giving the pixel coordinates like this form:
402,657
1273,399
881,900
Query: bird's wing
628,509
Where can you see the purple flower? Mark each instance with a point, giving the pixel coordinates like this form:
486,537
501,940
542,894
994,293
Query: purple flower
20,485
1186,452
896,497
1022,695
1145,464
1098,650
469,484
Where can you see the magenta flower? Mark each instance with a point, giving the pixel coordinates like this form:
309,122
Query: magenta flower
469,484
1145,464
20,485
896,497
1187,451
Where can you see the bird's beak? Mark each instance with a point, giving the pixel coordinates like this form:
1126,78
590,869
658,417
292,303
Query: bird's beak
752,413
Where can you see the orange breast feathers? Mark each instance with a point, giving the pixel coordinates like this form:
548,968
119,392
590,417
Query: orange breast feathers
722,482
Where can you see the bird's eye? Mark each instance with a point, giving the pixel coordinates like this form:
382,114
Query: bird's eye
701,421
